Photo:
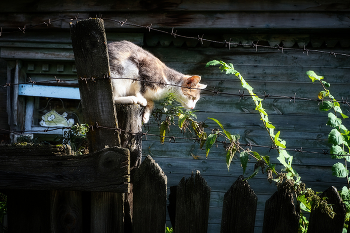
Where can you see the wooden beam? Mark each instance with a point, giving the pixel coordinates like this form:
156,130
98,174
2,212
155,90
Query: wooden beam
105,170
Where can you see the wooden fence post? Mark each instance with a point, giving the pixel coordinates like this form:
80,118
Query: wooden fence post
192,205
92,63
239,208
280,213
321,222
130,120
150,186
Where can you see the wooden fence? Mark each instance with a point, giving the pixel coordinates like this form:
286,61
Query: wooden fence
189,206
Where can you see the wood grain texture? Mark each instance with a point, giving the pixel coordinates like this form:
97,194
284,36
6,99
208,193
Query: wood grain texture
66,212
320,221
192,204
106,170
281,214
107,212
239,208
91,60
150,192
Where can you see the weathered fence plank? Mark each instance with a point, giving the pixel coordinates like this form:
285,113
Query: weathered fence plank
150,186
192,205
280,214
101,171
106,212
66,212
239,208
321,222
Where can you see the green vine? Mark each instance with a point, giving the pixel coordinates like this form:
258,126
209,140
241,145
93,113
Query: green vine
338,138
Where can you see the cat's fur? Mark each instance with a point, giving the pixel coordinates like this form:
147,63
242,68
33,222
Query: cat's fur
129,62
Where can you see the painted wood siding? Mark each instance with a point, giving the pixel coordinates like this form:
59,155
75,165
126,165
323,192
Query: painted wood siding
268,71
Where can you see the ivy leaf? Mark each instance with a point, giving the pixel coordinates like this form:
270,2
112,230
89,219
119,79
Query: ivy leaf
313,76
323,94
209,143
326,105
333,120
336,138
244,160
337,151
339,170
326,84
212,63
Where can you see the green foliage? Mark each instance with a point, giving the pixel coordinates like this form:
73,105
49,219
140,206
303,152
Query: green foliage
77,138
169,230
338,137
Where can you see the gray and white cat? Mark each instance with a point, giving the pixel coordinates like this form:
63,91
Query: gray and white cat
129,62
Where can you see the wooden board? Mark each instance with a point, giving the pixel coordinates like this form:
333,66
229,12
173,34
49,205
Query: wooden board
106,170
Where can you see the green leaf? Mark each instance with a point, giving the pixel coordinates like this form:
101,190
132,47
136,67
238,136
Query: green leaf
313,76
333,120
305,204
244,156
228,134
326,105
269,125
203,139
278,142
229,157
326,84
343,115
163,128
210,141
212,63
323,94
181,121
256,171
339,170
336,151
336,138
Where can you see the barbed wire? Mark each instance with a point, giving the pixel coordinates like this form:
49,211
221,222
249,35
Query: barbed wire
240,94
226,43
174,139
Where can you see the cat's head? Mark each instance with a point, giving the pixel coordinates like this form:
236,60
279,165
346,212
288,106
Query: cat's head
190,91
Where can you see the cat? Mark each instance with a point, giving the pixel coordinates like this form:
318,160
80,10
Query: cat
138,77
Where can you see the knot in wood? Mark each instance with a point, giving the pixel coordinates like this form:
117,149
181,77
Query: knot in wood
108,161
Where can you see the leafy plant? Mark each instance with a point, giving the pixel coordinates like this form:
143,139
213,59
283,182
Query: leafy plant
77,138
169,230
339,136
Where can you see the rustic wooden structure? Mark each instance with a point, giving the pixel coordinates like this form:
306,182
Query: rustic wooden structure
44,52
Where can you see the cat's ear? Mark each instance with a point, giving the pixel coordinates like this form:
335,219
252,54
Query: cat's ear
201,86
193,81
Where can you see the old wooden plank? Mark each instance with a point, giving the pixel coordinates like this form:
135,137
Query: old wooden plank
223,5
105,207
192,204
66,211
239,208
149,198
190,20
321,221
103,171
281,215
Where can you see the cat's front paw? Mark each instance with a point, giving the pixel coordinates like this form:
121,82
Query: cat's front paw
142,102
